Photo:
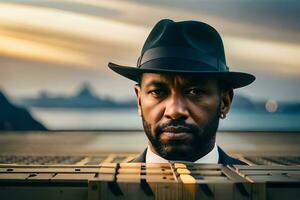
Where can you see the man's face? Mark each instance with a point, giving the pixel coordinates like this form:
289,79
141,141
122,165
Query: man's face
180,114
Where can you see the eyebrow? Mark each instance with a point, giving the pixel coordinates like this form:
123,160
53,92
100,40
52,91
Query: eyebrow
190,83
155,84
196,83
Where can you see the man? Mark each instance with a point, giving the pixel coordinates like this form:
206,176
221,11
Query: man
184,87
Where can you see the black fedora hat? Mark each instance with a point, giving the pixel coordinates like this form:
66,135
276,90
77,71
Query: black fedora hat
187,47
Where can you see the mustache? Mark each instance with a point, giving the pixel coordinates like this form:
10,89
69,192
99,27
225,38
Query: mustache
176,126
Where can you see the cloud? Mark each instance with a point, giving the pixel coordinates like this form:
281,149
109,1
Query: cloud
262,56
259,36
264,19
80,7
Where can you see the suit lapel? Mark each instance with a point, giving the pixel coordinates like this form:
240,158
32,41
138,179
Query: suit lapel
141,158
227,160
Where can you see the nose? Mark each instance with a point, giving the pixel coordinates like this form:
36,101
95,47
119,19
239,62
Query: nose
176,108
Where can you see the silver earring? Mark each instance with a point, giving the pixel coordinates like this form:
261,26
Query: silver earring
222,116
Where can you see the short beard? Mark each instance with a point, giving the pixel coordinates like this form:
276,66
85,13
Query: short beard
200,146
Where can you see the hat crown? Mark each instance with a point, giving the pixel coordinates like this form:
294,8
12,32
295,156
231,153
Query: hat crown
187,48
194,35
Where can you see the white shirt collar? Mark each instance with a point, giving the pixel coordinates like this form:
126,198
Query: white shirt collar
212,157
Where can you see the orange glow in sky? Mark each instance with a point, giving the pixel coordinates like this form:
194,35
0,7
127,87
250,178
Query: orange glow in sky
59,38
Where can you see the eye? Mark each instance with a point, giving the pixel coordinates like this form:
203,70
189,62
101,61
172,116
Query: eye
157,92
195,92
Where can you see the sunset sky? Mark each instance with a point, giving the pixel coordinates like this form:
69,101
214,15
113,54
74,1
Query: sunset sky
58,45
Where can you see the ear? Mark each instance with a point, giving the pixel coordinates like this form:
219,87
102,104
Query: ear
226,100
137,89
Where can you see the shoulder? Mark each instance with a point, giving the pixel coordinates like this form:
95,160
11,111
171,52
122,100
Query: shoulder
228,160
141,158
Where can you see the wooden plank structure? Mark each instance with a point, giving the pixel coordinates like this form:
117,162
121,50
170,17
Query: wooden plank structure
168,181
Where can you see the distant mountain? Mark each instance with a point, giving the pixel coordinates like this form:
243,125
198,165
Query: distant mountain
84,98
15,118
86,92
241,102
288,107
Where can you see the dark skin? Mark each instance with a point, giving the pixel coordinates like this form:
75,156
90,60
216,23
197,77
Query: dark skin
181,113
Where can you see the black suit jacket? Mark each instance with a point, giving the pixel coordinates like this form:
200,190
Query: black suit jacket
223,158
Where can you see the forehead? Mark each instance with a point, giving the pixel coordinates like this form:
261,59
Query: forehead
177,80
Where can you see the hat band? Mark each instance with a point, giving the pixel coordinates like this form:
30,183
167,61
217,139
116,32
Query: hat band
181,53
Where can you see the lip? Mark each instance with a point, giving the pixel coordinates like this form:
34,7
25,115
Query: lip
176,129
176,135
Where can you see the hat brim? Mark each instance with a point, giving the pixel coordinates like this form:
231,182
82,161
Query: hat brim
234,79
